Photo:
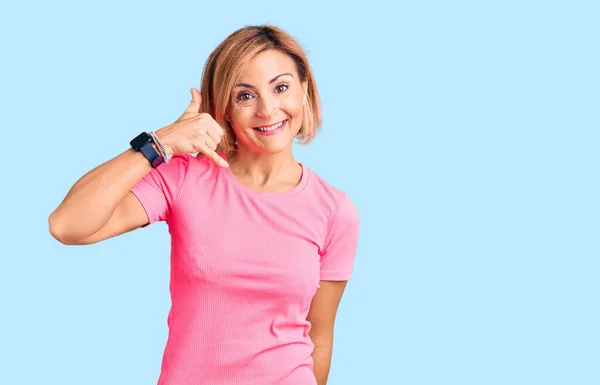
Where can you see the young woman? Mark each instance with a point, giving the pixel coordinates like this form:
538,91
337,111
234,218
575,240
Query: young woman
261,246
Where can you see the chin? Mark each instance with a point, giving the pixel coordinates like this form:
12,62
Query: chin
275,148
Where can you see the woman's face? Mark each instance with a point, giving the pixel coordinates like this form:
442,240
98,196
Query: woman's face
267,104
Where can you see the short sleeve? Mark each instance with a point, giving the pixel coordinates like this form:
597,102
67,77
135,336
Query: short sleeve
337,258
159,188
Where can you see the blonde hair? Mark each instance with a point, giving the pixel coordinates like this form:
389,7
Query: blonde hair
226,63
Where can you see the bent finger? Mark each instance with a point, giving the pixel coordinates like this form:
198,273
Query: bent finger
210,143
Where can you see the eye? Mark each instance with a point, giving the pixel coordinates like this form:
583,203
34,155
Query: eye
243,96
281,88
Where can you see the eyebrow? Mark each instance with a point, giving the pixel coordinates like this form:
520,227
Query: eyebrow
270,81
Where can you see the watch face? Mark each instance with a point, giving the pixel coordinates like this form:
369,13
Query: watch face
140,140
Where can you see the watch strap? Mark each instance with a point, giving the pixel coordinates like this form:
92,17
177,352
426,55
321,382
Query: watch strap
143,144
152,155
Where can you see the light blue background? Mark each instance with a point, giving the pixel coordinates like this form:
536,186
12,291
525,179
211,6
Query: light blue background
466,133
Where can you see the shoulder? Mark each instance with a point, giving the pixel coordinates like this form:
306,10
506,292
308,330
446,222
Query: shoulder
187,163
204,169
178,171
337,201
167,174
178,163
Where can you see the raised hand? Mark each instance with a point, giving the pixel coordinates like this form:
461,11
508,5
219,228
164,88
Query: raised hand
193,132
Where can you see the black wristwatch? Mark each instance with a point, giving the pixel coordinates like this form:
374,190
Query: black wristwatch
143,143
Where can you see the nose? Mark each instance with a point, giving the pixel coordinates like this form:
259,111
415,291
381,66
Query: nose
267,107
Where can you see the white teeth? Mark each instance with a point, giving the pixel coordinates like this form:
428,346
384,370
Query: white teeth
272,127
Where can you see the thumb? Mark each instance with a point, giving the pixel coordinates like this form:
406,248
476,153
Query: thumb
194,105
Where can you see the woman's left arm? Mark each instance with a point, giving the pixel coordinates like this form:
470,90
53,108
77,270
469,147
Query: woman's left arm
321,315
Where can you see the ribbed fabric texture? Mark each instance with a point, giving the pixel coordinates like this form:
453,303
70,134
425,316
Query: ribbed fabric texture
244,268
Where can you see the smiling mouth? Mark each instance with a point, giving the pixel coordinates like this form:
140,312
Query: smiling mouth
272,127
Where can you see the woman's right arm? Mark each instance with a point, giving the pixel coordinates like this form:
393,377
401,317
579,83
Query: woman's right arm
101,205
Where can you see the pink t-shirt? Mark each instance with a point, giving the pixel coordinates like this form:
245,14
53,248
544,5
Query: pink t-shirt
245,265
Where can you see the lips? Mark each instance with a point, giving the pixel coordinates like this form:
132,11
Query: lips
271,127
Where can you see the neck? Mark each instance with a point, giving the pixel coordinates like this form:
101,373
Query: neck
265,171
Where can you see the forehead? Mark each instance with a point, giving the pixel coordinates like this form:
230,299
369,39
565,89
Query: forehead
266,65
